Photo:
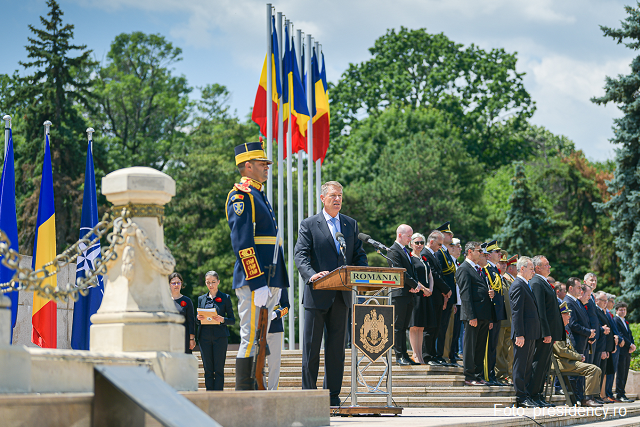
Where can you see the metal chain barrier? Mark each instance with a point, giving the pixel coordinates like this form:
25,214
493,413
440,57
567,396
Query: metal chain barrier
28,279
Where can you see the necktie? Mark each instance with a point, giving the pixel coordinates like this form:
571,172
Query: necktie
407,253
334,223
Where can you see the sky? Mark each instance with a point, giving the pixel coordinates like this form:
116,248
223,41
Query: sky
559,43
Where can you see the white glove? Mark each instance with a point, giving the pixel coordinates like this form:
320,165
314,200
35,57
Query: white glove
260,296
273,315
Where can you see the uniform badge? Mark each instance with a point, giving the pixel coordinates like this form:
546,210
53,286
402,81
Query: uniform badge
237,197
238,208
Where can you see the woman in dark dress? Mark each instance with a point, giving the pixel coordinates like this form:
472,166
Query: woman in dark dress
213,339
422,303
185,307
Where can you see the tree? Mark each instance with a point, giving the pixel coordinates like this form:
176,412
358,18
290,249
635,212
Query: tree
624,206
477,89
57,90
144,109
524,232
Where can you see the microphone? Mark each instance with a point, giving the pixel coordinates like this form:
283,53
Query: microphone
367,239
343,245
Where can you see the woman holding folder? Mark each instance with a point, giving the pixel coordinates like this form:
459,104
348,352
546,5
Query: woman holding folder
215,313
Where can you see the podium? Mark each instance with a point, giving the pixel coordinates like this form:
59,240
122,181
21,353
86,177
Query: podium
372,319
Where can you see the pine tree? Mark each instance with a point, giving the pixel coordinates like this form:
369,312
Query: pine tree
56,89
624,206
525,227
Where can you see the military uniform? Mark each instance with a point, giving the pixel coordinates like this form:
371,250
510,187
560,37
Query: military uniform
504,350
445,333
253,237
570,362
495,282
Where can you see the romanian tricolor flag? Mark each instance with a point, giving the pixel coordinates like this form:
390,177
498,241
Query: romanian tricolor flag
320,111
295,102
44,328
259,114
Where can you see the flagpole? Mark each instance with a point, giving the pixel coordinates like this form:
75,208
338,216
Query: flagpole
47,125
310,127
319,161
269,109
292,310
90,132
300,172
7,128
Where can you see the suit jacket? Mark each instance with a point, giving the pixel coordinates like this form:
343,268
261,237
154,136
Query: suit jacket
608,339
439,285
594,322
398,258
474,293
315,251
624,334
525,321
447,265
548,310
224,308
578,323
494,278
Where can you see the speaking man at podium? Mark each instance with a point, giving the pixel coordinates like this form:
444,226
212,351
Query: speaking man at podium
317,253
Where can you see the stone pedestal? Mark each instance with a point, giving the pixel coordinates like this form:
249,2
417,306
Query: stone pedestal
15,364
137,314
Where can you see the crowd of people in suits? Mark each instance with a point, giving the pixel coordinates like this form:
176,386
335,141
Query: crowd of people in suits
513,317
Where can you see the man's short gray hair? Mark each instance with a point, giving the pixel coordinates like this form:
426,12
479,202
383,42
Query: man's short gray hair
589,276
600,294
326,185
523,261
537,260
435,235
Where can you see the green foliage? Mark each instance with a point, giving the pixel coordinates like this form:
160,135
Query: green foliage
143,108
624,206
412,69
635,356
57,90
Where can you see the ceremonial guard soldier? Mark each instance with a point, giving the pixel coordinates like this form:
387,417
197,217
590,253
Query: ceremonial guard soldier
257,279
495,282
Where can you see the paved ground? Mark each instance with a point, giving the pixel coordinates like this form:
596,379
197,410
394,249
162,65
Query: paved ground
450,417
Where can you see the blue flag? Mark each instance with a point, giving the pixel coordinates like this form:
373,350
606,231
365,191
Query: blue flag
85,307
8,222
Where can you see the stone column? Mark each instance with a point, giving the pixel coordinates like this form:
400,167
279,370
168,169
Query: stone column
137,312
15,363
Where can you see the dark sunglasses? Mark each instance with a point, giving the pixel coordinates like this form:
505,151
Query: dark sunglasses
418,243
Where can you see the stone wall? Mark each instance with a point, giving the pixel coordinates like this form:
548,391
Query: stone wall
22,331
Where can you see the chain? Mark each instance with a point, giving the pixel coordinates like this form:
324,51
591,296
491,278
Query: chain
27,279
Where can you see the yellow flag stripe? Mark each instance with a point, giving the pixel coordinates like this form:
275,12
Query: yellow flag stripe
45,252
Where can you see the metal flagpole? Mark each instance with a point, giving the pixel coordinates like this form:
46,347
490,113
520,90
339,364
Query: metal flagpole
7,127
90,132
292,309
310,127
269,110
319,161
280,206
47,124
300,172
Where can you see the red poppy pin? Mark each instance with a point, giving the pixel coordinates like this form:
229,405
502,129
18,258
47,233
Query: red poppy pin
218,299
586,308
183,303
627,322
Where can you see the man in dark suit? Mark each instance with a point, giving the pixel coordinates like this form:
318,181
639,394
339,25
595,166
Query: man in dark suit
441,293
317,253
448,272
402,299
607,335
591,281
580,327
625,350
495,282
477,312
525,331
550,323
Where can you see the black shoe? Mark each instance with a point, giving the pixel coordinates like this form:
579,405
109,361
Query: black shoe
543,403
591,403
452,362
244,381
624,399
410,360
334,401
629,399
432,363
401,361
599,400
491,383
525,403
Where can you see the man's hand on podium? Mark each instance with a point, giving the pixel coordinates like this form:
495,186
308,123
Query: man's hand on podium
318,276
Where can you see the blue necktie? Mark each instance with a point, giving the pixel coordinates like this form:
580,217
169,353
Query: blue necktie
334,222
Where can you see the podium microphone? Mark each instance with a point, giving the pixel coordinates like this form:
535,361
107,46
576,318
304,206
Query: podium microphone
343,245
367,239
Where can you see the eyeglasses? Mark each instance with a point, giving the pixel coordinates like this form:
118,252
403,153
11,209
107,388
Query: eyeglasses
176,283
418,243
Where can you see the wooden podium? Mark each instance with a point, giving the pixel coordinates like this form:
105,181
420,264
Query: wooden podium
371,286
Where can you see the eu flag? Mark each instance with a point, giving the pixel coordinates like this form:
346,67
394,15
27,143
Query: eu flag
8,221
85,307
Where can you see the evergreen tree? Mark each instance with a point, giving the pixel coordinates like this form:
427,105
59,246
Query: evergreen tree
524,229
624,206
59,84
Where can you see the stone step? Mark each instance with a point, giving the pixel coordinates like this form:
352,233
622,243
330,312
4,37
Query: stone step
417,371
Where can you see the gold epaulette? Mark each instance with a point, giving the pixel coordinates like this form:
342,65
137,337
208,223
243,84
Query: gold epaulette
496,284
450,267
